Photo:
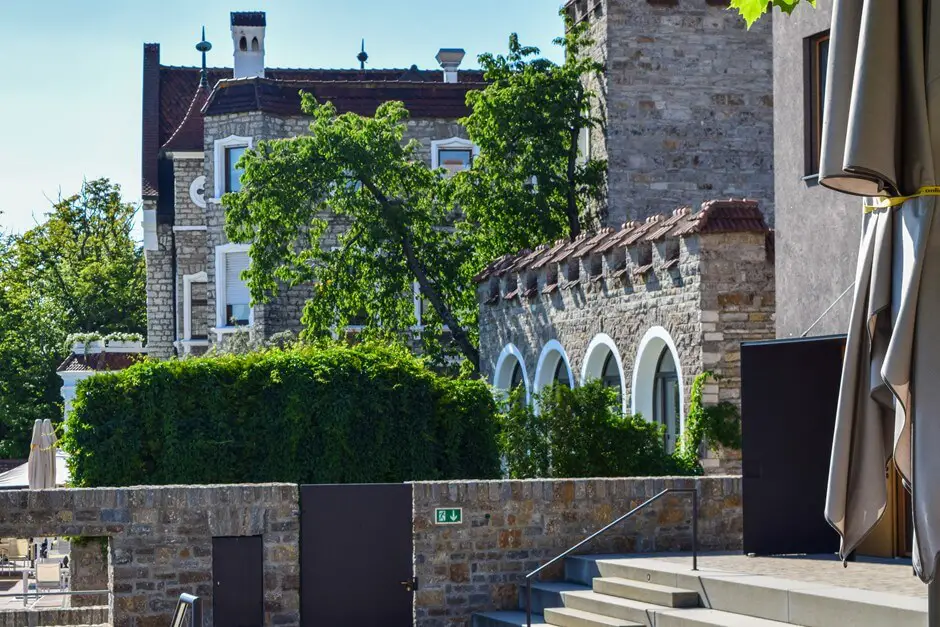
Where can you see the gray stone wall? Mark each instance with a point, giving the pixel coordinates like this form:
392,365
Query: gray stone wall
512,527
818,230
720,294
84,617
160,293
161,541
687,101
88,570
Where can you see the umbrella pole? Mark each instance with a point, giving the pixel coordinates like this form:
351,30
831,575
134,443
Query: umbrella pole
933,603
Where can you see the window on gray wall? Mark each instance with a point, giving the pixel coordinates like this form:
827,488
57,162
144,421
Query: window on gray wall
816,61
233,174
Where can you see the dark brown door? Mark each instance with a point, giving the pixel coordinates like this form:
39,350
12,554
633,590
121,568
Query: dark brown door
789,393
355,564
238,581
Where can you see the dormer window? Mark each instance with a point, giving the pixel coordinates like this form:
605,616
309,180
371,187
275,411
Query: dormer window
454,154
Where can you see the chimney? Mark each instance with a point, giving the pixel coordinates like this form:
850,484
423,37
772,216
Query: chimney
450,59
248,39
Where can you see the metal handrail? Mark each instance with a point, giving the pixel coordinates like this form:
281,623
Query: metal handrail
529,577
195,611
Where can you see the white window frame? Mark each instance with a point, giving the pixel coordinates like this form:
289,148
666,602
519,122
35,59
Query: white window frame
419,326
188,280
454,143
220,145
222,324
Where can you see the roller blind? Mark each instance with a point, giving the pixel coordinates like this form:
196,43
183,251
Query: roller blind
236,291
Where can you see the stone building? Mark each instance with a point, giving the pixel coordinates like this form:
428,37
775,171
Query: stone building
646,308
197,123
686,101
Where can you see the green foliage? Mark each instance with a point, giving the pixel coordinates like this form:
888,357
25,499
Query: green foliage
716,424
580,433
527,123
389,208
319,414
751,10
398,223
80,270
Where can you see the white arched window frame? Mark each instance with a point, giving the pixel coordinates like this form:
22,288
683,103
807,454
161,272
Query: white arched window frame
644,374
505,365
552,358
595,358
454,143
219,150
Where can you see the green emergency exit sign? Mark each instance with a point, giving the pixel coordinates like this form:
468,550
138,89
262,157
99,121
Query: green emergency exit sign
448,515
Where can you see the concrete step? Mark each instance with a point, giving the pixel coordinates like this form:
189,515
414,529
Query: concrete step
758,596
506,619
615,607
703,617
569,617
667,596
548,594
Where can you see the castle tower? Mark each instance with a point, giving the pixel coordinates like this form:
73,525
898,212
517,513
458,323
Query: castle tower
687,104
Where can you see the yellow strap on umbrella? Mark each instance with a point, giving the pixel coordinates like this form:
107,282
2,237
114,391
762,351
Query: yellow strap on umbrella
888,202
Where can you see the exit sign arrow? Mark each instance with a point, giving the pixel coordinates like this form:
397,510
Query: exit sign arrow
448,515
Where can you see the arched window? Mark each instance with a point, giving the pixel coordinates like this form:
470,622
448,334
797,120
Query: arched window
666,399
243,44
511,372
553,367
517,377
658,393
254,44
561,374
602,361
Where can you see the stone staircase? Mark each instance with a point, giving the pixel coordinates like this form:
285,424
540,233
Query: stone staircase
616,591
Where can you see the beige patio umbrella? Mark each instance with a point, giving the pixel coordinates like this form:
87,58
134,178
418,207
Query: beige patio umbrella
34,464
881,138
50,445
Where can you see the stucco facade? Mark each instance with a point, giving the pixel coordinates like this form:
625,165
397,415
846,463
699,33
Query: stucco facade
818,230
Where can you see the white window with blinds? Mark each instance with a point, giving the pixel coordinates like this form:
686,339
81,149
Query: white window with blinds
233,300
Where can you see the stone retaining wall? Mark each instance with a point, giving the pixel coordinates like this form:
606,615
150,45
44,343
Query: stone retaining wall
161,542
49,616
511,527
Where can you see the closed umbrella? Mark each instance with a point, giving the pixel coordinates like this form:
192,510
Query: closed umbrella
34,464
881,139
50,444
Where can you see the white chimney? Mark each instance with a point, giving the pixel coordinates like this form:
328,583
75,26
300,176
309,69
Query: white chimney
450,59
248,40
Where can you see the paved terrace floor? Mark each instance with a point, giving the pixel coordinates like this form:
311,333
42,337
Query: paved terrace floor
882,575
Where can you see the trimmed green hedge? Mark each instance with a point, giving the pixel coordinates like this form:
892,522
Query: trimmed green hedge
328,414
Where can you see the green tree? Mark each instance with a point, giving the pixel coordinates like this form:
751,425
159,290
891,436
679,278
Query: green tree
79,271
354,178
350,208
531,184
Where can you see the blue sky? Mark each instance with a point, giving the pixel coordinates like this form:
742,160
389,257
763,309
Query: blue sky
70,98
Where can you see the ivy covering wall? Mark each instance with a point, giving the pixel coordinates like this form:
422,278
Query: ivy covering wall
328,414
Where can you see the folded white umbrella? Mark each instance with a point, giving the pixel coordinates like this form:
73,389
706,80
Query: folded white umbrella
881,138
34,464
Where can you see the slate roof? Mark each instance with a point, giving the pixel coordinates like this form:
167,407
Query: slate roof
248,18
170,96
715,216
99,362
282,97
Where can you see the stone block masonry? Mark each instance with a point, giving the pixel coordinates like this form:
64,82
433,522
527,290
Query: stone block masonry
160,542
512,527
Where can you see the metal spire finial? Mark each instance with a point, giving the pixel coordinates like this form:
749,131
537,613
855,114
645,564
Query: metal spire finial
363,56
204,47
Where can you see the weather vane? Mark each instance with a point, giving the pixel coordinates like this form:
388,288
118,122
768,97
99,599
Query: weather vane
204,47
363,56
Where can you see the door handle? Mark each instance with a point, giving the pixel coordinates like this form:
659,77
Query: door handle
410,585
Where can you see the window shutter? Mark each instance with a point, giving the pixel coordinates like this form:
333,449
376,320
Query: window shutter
236,291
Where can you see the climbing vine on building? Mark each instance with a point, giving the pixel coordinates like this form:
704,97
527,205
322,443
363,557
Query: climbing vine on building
718,425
